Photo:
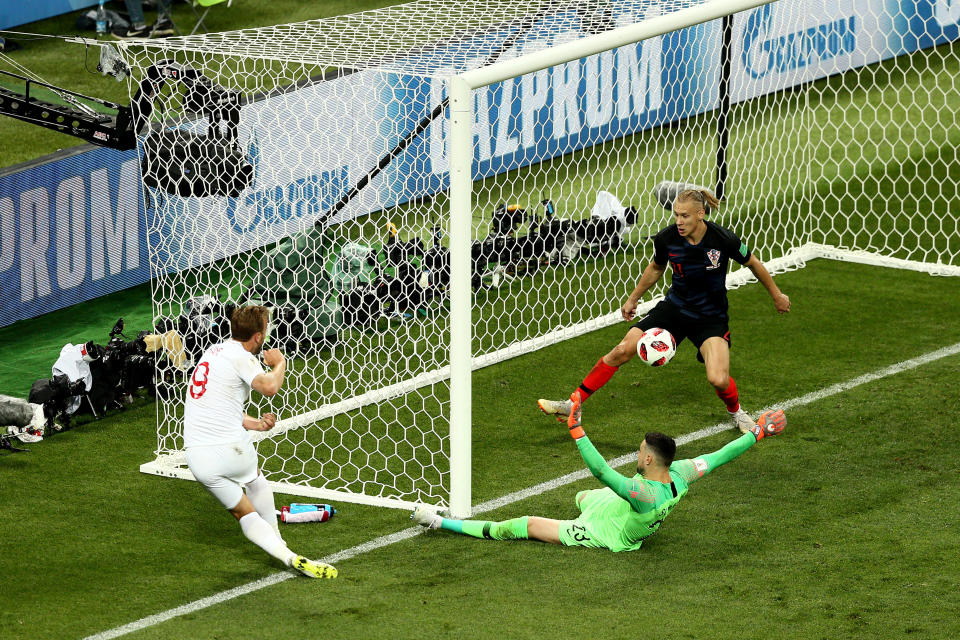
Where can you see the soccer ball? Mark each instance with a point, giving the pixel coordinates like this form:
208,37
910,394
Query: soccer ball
656,347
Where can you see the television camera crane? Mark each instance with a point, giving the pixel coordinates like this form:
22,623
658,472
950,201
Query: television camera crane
174,159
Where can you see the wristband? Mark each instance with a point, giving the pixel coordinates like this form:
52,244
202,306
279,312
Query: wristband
573,420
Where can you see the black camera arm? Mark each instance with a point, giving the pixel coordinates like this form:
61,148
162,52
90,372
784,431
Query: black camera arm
120,131
113,131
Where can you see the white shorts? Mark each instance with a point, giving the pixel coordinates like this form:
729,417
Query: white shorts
224,469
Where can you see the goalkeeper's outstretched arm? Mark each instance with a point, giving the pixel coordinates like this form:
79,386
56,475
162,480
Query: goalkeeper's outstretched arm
633,492
770,423
630,490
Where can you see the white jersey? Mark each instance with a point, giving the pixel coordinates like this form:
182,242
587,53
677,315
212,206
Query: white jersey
217,395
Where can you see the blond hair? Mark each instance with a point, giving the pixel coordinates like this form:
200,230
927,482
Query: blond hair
703,197
246,321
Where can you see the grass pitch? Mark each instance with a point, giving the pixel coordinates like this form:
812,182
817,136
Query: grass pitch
840,528
844,527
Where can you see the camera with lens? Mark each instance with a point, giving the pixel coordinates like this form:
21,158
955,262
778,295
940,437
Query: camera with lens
126,364
56,394
205,321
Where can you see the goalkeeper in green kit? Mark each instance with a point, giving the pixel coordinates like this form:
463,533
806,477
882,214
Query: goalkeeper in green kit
627,511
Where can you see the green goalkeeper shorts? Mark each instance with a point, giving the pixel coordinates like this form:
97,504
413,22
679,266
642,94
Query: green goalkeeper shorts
580,532
600,523
574,533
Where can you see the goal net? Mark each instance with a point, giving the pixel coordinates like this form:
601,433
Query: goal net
426,189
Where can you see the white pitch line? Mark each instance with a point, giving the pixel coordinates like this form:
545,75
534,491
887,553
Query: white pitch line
543,487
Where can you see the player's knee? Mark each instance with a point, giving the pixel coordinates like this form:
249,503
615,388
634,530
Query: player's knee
242,508
621,353
719,379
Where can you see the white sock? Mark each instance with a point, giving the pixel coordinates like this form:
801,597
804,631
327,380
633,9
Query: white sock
259,533
261,497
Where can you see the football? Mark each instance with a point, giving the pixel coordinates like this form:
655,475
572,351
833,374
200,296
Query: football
656,347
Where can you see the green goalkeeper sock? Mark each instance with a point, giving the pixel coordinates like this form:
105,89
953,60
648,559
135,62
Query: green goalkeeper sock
515,529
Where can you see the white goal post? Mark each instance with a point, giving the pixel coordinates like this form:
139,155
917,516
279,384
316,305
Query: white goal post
409,187
460,90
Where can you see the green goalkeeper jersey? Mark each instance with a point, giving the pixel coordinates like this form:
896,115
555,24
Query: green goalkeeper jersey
630,510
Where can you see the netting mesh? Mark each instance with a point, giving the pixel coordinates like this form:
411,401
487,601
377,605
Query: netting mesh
425,38
307,166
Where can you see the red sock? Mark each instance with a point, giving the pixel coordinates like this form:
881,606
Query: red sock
730,396
598,376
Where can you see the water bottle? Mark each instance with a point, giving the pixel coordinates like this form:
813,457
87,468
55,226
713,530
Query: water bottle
299,512
548,209
300,507
101,20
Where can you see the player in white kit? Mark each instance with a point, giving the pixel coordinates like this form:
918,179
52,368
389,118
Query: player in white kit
216,436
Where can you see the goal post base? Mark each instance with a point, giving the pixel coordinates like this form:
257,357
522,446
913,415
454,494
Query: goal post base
174,466
878,260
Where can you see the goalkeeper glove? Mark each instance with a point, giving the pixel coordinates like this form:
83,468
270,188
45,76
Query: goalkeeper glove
770,423
573,420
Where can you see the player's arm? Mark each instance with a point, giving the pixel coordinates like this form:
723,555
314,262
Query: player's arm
633,492
770,423
780,300
650,276
630,490
263,423
269,382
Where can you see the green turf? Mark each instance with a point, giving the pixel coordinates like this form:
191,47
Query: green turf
840,528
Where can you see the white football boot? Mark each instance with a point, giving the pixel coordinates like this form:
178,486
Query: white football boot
426,518
742,420
557,408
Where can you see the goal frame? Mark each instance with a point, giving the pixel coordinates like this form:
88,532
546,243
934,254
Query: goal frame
462,361
459,88
461,140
